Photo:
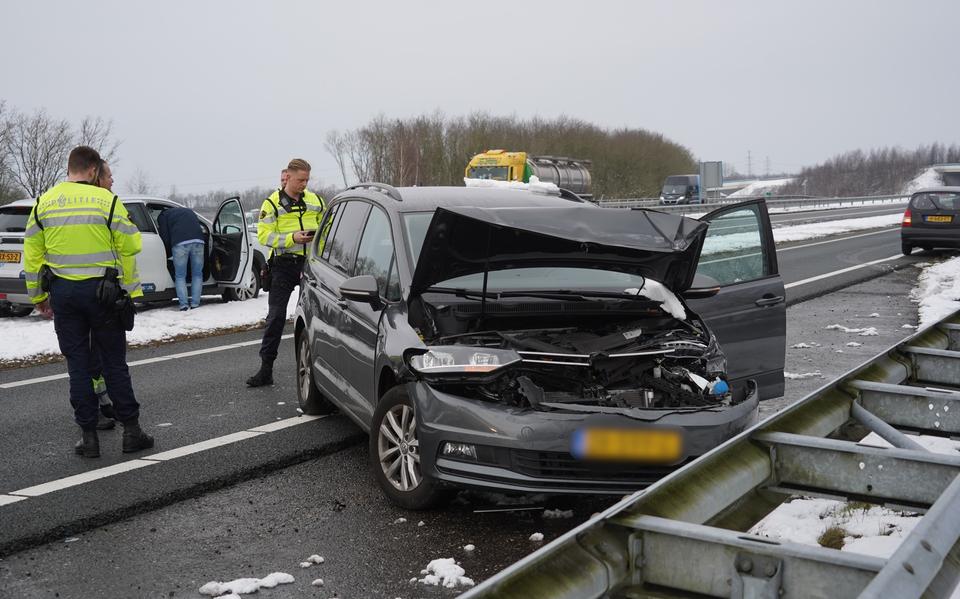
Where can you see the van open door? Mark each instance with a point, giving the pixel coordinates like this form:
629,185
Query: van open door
230,257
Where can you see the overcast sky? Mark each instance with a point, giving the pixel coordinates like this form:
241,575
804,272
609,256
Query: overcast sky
209,94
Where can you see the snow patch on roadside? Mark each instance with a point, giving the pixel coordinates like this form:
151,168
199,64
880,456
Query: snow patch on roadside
928,178
445,572
797,376
937,291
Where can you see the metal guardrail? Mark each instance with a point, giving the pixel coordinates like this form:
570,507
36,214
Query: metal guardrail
684,535
772,202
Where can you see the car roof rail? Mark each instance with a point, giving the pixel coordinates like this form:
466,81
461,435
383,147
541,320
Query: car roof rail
387,190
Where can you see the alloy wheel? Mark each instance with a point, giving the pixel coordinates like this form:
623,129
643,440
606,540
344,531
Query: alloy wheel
303,368
399,449
250,291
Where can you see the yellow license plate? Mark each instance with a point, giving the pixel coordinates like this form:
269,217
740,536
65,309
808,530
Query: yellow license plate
9,256
939,219
629,445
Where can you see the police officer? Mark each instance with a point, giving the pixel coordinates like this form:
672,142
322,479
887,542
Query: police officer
78,233
289,218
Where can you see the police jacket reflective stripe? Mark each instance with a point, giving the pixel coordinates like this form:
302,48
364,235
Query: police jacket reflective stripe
68,231
282,216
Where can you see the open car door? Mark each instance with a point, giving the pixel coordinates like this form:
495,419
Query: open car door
748,314
230,257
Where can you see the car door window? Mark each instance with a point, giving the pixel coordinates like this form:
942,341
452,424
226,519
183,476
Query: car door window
321,248
343,244
375,255
139,217
733,248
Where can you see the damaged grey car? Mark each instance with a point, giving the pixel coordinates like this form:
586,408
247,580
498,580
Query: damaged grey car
517,340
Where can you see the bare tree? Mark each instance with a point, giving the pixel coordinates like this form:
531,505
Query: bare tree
336,145
140,183
98,134
36,148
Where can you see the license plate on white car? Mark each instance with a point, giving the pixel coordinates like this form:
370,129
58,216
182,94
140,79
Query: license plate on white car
10,257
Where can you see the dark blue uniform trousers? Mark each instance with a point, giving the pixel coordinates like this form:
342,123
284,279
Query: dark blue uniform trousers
285,278
78,318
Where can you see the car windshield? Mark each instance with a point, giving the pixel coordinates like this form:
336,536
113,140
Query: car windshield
674,188
13,219
526,279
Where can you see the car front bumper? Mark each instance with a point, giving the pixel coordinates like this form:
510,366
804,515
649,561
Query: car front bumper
528,450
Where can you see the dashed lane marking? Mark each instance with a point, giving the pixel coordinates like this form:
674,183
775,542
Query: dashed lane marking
186,354
150,460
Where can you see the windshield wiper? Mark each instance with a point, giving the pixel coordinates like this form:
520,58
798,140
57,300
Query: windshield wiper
560,294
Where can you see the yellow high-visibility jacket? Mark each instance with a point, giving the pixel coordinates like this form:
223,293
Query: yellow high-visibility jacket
67,230
277,224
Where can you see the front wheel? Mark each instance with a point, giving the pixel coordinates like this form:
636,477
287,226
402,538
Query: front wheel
395,455
906,248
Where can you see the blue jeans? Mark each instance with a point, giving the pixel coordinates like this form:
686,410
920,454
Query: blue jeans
182,254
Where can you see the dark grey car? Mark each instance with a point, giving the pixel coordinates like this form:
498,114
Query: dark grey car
512,340
931,220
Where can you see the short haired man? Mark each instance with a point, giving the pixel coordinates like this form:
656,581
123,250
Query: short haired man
183,238
288,220
81,234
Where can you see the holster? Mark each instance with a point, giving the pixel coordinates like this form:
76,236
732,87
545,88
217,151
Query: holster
115,299
266,275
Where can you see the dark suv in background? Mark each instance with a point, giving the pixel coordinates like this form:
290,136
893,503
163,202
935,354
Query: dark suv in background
514,340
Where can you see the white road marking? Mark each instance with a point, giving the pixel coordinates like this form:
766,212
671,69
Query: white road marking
840,272
187,354
201,446
157,458
84,477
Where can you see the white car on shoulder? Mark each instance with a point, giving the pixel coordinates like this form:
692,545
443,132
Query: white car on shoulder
232,266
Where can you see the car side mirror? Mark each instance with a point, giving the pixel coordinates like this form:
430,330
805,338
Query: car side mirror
363,289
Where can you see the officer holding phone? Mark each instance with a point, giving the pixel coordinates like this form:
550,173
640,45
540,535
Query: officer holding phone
289,218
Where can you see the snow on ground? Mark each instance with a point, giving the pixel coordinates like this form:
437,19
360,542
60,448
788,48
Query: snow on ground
796,376
862,332
445,572
34,336
759,188
867,529
928,178
938,291
245,586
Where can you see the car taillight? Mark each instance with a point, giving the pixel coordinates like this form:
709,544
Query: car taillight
907,219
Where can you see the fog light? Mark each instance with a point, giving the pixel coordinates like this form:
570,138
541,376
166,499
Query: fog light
462,451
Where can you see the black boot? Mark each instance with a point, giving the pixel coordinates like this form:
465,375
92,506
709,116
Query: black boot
104,423
264,376
134,439
89,445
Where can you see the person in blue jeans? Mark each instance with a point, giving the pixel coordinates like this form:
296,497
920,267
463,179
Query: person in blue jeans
183,238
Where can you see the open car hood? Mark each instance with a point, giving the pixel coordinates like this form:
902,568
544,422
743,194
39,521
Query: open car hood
466,240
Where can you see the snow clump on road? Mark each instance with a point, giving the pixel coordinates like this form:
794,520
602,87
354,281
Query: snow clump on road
245,586
863,332
536,537
445,572
557,514
796,376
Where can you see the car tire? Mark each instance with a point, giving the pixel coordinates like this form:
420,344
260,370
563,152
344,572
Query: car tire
906,248
393,435
311,401
251,291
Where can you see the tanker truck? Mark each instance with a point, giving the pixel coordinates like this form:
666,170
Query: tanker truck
568,173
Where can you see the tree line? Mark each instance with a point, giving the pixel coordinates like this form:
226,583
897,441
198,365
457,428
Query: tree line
876,172
434,149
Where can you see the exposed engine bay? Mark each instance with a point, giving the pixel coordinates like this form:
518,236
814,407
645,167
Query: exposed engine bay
619,354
